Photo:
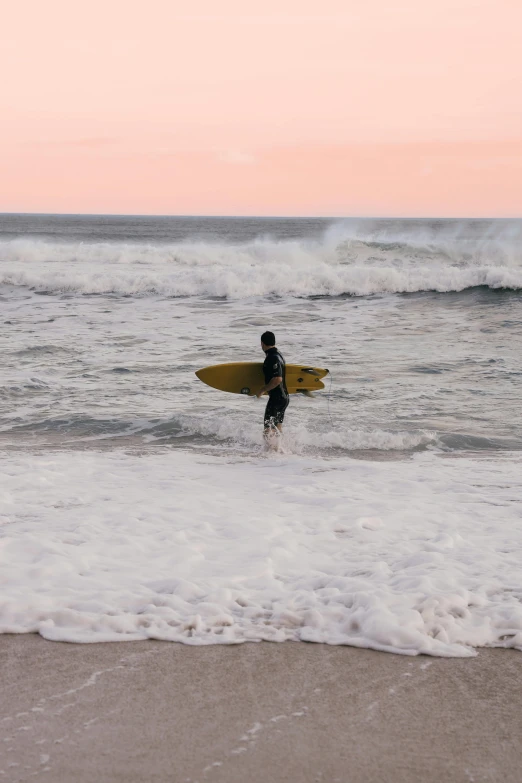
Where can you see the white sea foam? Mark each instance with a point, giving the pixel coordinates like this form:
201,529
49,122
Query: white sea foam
239,433
411,557
300,439
341,263
244,281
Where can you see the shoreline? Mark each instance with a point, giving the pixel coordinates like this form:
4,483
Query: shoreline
257,712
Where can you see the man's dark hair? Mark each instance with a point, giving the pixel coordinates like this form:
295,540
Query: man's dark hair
268,338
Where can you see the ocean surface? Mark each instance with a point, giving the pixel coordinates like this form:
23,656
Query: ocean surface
136,502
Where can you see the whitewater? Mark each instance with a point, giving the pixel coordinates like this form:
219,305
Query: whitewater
137,503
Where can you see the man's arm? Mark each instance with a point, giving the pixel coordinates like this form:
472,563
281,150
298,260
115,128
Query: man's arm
270,385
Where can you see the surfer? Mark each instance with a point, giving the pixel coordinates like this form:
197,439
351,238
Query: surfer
274,370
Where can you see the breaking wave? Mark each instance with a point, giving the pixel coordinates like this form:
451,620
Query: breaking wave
234,433
346,260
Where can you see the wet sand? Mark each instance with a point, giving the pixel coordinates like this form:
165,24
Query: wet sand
255,713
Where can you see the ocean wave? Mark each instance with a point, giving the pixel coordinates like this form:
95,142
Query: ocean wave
345,261
245,281
232,432
212,430
300,439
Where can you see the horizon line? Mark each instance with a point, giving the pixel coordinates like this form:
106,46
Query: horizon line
257,217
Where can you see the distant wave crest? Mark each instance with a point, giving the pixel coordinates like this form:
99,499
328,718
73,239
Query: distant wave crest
343,262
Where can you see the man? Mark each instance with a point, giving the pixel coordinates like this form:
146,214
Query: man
274,371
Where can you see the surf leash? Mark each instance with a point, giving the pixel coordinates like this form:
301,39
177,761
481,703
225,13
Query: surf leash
329,396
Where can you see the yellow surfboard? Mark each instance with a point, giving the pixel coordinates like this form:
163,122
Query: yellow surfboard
247,377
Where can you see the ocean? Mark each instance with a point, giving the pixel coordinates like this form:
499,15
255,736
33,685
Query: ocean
136,502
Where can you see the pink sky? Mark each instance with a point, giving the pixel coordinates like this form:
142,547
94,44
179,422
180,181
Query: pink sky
330,107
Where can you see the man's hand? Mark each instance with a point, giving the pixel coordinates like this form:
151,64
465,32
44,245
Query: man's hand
269,386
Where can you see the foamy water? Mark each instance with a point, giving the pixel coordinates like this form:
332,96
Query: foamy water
340,261
135,502
423,558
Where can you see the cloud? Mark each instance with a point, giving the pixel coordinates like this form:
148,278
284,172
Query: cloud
100,141
496,161
92,142
237,157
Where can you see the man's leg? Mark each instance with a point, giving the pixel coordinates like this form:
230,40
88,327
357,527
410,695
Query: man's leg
271,429
274,416
280,416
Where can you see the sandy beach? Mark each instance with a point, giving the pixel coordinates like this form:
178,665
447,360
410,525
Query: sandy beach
159,712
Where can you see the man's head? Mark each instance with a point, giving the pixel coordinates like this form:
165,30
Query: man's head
267,340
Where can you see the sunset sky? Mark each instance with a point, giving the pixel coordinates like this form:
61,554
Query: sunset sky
330,107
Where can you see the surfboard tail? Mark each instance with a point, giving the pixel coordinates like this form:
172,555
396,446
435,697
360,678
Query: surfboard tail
313,371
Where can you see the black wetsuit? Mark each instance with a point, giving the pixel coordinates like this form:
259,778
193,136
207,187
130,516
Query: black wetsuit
273,367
